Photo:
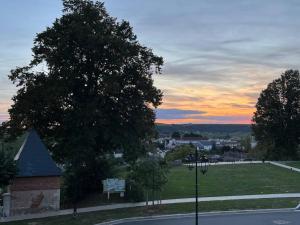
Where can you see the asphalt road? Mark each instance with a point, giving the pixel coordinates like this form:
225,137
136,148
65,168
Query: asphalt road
249,218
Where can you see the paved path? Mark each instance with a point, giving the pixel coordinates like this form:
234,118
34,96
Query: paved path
165,202
252,162
284,166
226,198
234,218
229,163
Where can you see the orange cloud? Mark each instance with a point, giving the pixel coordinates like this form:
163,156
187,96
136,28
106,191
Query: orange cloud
220,104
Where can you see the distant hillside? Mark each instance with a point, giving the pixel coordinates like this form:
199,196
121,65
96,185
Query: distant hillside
213,129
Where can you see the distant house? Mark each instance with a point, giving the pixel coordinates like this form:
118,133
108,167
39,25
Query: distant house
205,145
198,142
253,142
118,153
230,143
188,140
36,187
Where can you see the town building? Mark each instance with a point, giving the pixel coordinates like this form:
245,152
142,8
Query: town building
198,142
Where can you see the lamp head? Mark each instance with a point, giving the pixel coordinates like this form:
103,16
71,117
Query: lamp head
203,164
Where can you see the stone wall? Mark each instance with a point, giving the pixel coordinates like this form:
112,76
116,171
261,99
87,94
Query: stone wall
34,195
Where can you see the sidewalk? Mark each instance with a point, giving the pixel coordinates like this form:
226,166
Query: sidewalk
228,163
251,162
165,202
285,166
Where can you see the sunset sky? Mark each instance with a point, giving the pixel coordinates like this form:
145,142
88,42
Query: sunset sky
218,55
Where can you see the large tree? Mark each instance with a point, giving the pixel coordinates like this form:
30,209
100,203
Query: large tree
88,89
277,118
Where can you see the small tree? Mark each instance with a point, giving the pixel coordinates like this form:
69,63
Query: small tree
151,174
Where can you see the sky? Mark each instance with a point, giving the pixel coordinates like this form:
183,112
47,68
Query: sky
219,55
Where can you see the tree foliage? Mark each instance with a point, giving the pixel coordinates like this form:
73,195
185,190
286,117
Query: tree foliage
246,143
8,168
277,117
180,152
88,89
176,134
192,135
150,174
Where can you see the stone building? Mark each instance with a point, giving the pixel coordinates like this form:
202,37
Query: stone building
36,188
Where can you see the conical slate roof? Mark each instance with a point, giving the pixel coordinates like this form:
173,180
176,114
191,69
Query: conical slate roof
34,160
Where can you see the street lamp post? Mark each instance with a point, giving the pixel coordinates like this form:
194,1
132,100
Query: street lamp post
203,169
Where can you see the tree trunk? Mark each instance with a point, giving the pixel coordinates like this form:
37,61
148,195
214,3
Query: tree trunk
147,198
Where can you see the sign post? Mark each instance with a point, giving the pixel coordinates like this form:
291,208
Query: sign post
113,185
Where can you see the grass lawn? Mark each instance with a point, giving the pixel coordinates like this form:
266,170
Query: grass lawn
98,217
219,181
232,180
295,164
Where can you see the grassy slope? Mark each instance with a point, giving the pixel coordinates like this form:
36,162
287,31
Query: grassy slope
232,180
97,217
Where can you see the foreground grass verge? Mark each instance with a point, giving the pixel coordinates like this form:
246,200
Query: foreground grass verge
98,217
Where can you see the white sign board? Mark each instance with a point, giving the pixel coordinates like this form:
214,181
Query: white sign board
113,186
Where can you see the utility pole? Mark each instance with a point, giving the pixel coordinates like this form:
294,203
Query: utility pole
196,159
153,171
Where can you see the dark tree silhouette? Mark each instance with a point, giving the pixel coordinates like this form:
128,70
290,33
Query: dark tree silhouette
88,89
276,122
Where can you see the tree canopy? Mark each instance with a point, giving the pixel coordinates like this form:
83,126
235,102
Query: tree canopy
150,173
87,91
89,86
276,122
175,134
8,167
180,152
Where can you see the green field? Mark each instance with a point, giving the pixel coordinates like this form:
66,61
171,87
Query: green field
232,180
221,180
98,217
